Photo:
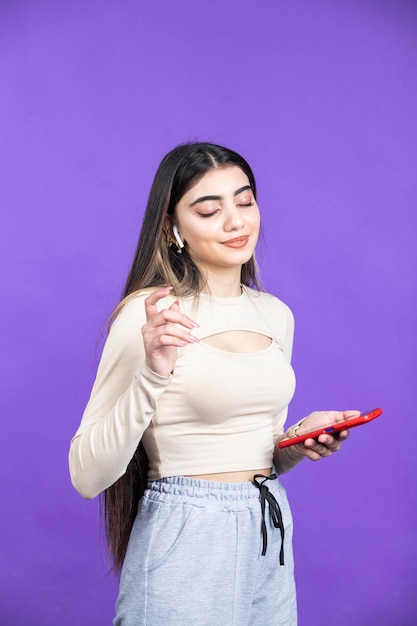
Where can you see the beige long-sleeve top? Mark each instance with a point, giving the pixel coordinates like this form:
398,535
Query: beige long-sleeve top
219,411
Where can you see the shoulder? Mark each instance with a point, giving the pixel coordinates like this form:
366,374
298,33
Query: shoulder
277,315
127,318
270,304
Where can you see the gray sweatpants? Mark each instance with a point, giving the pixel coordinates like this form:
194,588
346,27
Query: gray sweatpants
195,558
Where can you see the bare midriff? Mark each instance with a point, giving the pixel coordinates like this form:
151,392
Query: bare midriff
232,477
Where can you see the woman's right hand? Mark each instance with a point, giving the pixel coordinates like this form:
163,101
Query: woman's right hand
164,333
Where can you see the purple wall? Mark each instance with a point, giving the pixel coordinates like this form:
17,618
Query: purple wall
321,98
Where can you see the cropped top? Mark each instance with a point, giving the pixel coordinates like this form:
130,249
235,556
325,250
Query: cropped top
218,412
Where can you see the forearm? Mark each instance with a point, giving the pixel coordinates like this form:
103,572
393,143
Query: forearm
285,459
104,445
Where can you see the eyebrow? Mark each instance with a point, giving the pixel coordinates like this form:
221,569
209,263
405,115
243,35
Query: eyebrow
206,198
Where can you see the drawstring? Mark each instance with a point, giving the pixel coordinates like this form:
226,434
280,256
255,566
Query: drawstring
274,511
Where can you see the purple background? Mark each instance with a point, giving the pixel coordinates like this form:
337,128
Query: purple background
320,96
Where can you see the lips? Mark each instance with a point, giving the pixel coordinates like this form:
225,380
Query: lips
237,242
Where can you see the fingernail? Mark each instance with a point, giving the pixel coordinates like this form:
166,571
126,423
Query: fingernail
192,339
194,324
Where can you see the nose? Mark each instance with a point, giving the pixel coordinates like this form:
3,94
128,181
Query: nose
233,219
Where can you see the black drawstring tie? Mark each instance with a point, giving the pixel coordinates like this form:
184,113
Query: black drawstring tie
274,511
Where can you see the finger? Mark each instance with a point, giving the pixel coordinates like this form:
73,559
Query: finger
171,341
152,300
333,417
341,416
164,335
184,320
158,294
170,316
348,415
318,448
310,454
331,442
342,435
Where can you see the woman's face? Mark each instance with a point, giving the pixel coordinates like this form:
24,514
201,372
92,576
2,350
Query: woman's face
218,219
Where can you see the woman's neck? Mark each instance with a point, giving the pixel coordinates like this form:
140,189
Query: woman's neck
223,285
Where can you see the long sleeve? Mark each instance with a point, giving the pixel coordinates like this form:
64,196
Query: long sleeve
123,401
285,459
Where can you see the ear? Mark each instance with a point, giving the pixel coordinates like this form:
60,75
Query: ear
167,224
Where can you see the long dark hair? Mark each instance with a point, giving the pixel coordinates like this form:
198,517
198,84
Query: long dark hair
156,264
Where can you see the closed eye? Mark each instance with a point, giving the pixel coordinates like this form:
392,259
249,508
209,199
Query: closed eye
208,214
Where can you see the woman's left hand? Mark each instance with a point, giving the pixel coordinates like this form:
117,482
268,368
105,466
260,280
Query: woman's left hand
325,445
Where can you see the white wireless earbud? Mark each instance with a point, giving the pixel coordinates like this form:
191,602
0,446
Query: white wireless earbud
177,236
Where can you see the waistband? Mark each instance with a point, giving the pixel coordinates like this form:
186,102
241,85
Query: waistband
206,489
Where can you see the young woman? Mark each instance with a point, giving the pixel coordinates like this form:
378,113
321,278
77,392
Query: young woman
189,402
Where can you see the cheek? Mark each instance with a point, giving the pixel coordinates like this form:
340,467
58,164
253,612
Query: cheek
255,220
200,233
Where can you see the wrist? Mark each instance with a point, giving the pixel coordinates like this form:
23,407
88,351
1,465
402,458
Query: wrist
292,431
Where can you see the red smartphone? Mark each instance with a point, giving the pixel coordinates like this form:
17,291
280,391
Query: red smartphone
364,418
